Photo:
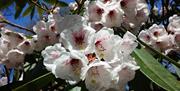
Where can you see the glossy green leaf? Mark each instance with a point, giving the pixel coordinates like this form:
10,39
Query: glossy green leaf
36,83
28,10
155,71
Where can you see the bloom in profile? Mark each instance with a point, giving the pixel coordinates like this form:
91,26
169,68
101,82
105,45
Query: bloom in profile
174,24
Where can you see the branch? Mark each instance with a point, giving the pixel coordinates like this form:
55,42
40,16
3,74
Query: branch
18,26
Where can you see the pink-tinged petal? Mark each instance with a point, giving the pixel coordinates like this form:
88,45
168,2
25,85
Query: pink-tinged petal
78,38
113,16
105,42
95,10
69,66
52,54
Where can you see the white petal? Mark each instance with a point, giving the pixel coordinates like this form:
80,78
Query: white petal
51,54
69,66
98,76
79,38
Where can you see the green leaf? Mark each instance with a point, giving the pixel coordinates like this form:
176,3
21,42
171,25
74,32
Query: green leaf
36,83
28,10
155,71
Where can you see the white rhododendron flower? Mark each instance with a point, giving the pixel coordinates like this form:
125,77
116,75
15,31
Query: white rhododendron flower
136,14
97,76
105,42
46,34
12,37
145,36
94,10
113,16
68,21
51,54
63,64
158,37
122,74
156,31
69,66
15,59
174,24
78,38
26,47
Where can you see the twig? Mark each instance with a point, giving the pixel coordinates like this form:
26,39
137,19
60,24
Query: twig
18,26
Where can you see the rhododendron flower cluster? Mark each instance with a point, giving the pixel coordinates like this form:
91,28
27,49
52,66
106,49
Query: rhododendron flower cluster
99,58
160,38
83,48
114,13
13,47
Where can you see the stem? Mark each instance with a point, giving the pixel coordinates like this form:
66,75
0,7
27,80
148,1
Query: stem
162,55
18,26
